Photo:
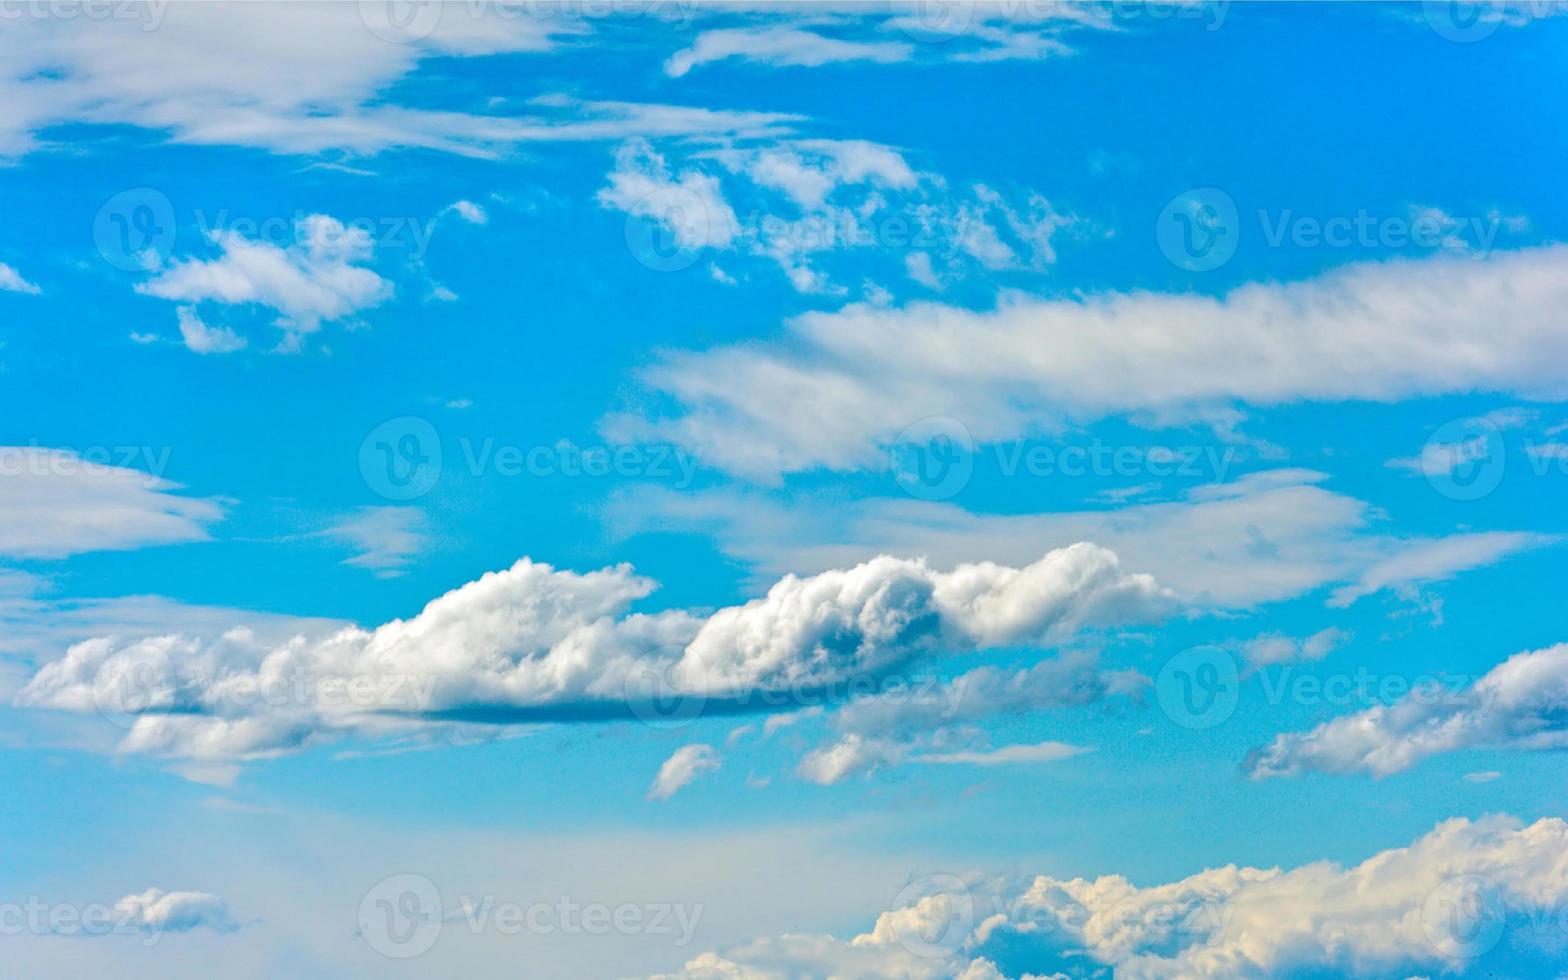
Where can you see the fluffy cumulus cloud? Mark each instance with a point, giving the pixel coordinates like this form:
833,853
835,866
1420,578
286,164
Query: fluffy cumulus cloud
841,387
322,276
684,765
158,911
55,503
1521,703
536,643
1467,898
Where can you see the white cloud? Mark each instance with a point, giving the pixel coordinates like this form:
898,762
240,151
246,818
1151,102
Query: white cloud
1521,703
1266,536
318,278
534,643
1390,915
158,911
12,281
806,200
202,339
918,265
469,212
685,764
887,729
836,392
1007,754
387,538
690,207
779,45
55,503
1277,648
1417,563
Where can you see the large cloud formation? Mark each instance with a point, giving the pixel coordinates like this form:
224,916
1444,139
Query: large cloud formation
845,384
1522,703
533,643
1471,898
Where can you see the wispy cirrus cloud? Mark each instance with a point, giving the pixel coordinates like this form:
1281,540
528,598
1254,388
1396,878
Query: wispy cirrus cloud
836,391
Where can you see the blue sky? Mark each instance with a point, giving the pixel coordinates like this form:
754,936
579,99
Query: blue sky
880,490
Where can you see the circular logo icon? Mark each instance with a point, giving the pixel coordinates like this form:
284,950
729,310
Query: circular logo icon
934,458
134,230
1462,21
401,458
1464,916
933,915
936,21
659,694
132,682
400,21
668,229
1199,687
1464,459
1198,229
401,916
